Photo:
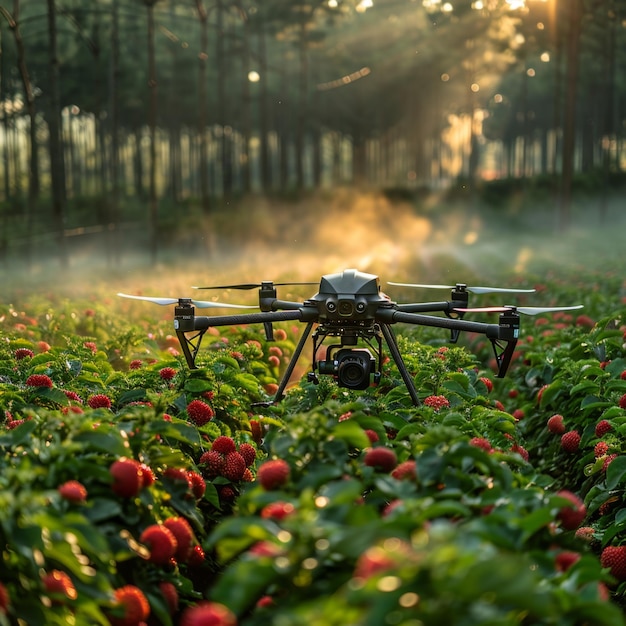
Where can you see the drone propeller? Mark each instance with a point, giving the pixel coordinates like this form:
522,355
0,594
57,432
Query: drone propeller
198,303
252,285
526,310
462,287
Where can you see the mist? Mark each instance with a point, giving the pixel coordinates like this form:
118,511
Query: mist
398,239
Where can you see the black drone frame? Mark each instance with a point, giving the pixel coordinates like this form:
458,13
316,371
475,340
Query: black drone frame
351,308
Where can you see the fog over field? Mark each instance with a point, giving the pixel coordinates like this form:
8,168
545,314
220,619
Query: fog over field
301,241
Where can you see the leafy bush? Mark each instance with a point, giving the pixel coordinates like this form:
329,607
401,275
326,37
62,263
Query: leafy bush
130,485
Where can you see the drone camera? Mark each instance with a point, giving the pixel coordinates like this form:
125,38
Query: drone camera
351,368
345,307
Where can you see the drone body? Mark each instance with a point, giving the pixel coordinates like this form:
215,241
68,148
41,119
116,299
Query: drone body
350,310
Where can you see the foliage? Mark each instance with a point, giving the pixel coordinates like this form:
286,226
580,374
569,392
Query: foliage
354,507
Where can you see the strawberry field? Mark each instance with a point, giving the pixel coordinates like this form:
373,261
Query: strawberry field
136,491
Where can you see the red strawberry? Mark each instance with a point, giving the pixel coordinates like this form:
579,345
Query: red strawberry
383,459
516,448
161,542
570,441
622,402
5,600
198,486
406,470
273,474
58,583
99,401
487,382
372,435
23,353
127,477
167,373
234,466
213,461
226,493
178,476
224,445
147,478
199,412
600,449
586,533
257,430
564,560
603,427
607,461
248,452
170,595
196,558
481,442
571,516
72,395
39,380
181,529
540,393
73,491
277,510
208,614
133,606
374,560
556,424
614,558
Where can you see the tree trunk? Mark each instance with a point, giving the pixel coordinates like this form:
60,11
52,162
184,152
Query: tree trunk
266,165
575,12
57,165
203,58
112,239
302,112
152,121
226,136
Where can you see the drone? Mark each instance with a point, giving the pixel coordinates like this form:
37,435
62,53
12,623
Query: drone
352,313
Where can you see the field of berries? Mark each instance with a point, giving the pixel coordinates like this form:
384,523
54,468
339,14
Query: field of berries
135,491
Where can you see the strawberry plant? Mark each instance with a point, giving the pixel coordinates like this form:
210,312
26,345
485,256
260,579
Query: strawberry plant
134,490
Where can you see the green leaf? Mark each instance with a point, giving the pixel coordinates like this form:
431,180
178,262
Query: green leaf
552,392
54,395
352,433
110,442
586,387
615,472
198,385
229,361
133,395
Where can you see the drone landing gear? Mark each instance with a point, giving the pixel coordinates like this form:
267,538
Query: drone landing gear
503,354
190,346
353,368
394,350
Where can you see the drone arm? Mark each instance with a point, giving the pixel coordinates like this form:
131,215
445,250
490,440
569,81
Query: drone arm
426,307
186,322
391,316
204,322
507,330
272,304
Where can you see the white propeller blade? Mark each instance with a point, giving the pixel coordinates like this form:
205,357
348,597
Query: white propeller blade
526,310
477,290
199,303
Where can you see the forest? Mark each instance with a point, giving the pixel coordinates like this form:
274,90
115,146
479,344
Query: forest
118,116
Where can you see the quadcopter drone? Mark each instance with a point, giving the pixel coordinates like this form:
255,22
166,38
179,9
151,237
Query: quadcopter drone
352,312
